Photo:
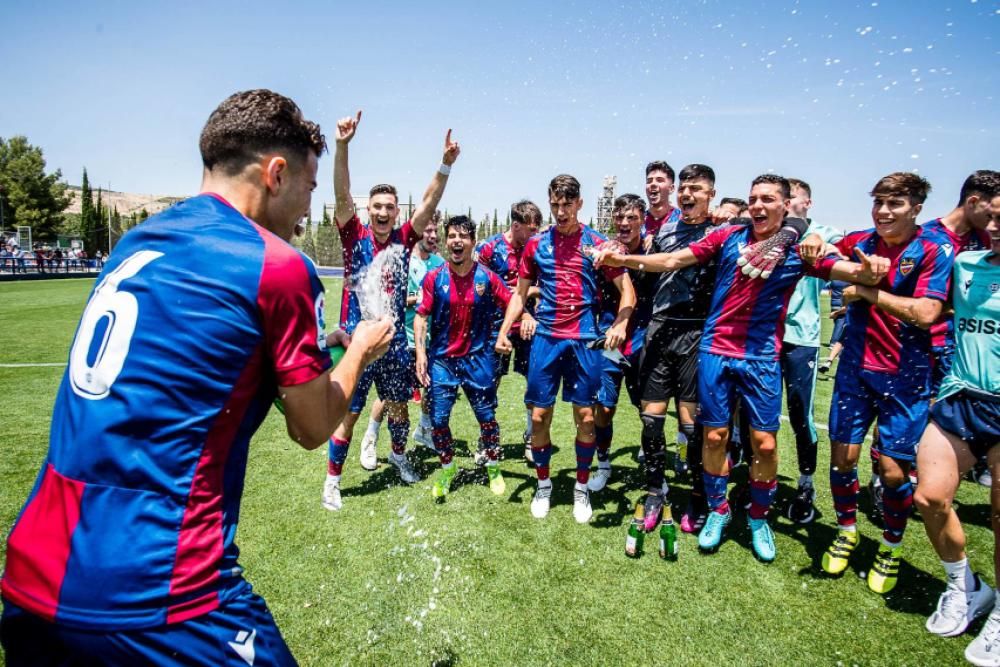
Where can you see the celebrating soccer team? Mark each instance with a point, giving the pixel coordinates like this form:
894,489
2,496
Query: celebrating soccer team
718,310
714,308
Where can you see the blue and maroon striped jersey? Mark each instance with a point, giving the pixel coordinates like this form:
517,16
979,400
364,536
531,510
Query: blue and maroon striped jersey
746,319
651,226
360,248
921,267
942,331
462,310
500,257
565,274
198,317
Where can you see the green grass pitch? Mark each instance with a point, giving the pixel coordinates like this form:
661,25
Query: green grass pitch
396,579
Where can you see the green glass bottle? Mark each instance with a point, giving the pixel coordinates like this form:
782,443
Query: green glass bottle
336,354
668,535
634,538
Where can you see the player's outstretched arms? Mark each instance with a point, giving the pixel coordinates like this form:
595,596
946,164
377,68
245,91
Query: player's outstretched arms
661,262
314,410
432,197
344,208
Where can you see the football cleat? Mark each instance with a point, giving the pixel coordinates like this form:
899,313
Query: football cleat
835,557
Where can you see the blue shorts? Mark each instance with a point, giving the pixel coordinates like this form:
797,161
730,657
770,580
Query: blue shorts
900,403
555,359
474,375
241,632
757,382
392,374
941,357
612,375
974,419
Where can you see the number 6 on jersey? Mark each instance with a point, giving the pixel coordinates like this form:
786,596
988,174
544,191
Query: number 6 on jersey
111,315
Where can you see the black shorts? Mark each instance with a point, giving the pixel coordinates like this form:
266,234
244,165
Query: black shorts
521,353
972,417
668,366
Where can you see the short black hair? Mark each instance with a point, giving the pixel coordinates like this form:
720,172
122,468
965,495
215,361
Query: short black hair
383,189
251,123
660,165
740,204
983,182
695,170
780,181
462,222
627,202
566,186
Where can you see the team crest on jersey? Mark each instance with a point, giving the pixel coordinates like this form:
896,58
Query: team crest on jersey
319,308
480,289
906,265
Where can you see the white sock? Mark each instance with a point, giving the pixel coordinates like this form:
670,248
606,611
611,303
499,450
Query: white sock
848,529
527,421
445,466
545,482
491,463
374,426
960,575
335,478
425,421
604,465
398,457
806,480
581,487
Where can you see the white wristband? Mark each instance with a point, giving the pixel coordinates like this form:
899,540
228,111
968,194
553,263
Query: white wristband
444,169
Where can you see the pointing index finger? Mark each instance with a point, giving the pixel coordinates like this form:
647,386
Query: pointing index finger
447,138
357,119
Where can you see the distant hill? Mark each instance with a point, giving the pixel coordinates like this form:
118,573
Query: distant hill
126,202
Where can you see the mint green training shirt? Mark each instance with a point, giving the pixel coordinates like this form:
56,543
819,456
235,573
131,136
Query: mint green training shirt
415,285
802,323
975,294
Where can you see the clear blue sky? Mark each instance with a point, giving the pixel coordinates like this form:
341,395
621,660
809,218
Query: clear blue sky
836,93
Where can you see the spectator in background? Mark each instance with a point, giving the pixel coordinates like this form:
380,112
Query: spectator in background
729,208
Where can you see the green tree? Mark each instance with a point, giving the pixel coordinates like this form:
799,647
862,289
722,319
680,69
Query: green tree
29,196
88,215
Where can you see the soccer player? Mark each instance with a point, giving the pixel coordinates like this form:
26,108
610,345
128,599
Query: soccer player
885,368
627,213
965,426
799,358
965,228
559,259
669,361
740,348
124,553
659,186
421,261
392,374
462,299
501,254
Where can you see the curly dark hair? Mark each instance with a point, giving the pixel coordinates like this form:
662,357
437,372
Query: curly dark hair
251,123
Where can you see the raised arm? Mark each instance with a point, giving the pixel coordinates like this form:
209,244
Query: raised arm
432,197
344,211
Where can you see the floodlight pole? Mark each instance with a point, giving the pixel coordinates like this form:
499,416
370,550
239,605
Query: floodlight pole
109,217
